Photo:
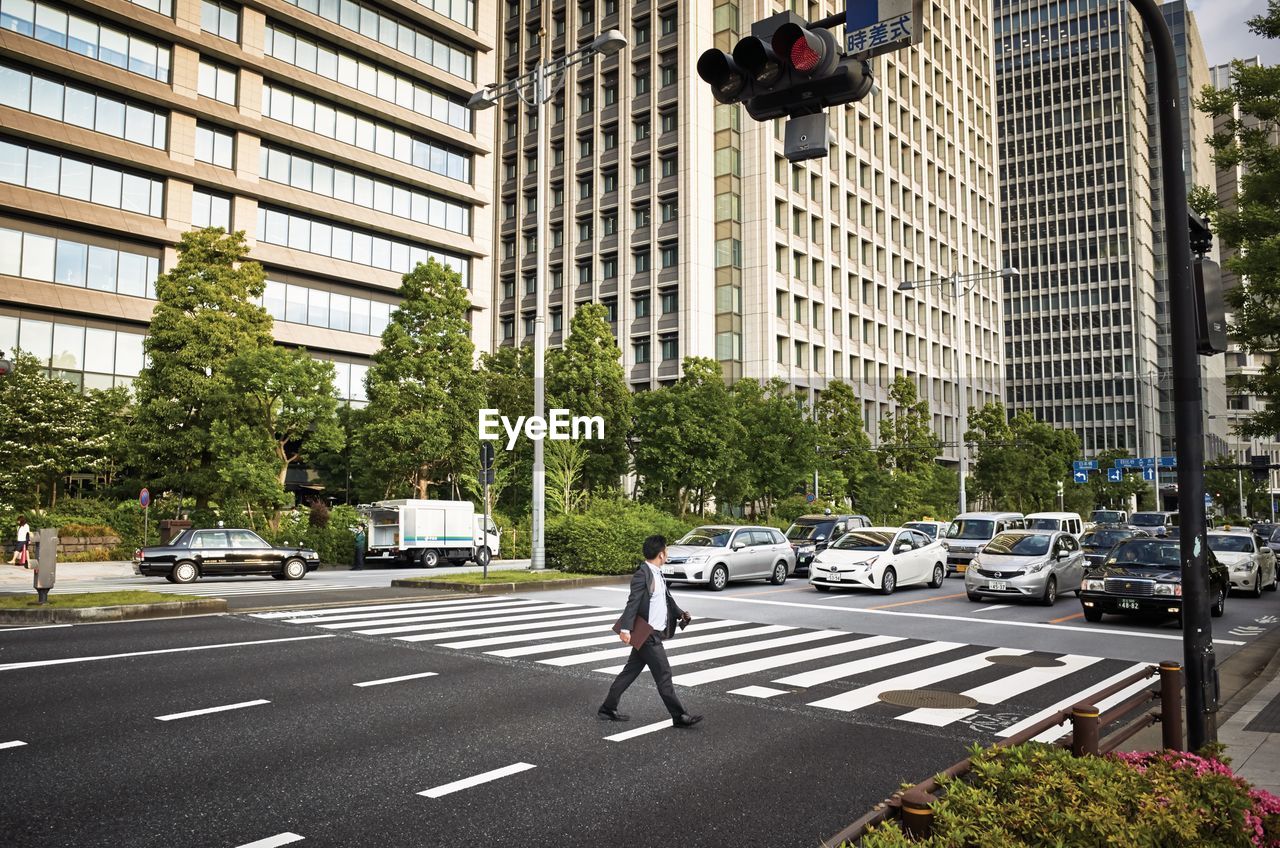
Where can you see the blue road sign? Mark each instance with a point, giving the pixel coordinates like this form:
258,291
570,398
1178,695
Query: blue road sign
873,27
1081,476
1085,465
1147,462
1208,500
1168,462
1115,475
1128,463
1148,474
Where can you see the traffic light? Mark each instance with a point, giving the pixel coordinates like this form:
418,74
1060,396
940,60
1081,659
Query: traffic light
1261,468
6,368
785,68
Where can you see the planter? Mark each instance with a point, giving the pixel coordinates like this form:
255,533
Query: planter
48,615
499,588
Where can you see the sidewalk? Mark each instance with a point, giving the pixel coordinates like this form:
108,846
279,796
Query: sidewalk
1252,733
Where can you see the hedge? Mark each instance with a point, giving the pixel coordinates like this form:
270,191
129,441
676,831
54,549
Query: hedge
1042,795
608,538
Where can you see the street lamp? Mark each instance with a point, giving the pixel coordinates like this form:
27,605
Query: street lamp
536,88
961,285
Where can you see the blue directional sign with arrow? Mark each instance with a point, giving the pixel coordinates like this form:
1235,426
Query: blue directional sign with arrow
1148,474
1081,476
1115,475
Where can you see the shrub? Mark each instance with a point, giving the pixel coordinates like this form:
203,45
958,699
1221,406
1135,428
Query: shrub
318,514
1040,795
77,530
608,538
92,555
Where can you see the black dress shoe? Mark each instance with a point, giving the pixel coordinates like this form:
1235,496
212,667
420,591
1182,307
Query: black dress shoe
611,715
686,720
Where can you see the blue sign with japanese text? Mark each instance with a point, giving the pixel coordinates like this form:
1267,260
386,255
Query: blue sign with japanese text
873,27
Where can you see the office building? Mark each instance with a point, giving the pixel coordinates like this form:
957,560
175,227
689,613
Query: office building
333,132
684,218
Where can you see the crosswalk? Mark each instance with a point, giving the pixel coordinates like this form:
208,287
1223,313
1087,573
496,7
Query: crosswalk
826,670
214,589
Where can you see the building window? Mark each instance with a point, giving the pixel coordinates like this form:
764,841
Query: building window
584,274
557,278
642,82
670,255
669,120
70,31
610,137
642,172
641,305
670,348
220,19
210,210
530,284
217,82
529,324
611,310
670,301
610,180
642,217
508,329
641,261
609,223
80,179
642,31
74,263
669,74
215,146
642,128
670,164
80,107
669,213
508,288
640,350
611,93
584,189
584,147
668,23
609,269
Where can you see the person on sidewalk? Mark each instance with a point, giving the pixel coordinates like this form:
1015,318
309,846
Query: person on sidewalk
20,555
649,617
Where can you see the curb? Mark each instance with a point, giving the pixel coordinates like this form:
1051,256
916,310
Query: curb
74,615
499,588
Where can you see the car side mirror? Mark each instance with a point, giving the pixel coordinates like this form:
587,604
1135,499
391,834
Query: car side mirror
902,546
737,546
1064,554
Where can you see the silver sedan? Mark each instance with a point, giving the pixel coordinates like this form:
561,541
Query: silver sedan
1252,566
1037,565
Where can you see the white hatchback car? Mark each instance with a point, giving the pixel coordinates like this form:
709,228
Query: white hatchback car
881,558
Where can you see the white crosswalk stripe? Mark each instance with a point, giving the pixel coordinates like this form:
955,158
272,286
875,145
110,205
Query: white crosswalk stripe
571,636
1070,700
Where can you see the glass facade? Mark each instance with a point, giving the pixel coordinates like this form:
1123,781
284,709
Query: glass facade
80,179
54,25
71,262
72,104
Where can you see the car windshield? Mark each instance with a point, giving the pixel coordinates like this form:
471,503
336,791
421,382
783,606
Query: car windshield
1155,552
1019,544
864,540
930,530
1104,538
800,532
1108,516
183,539
971,528
1233,544
1042,524
706,537
1148,519
1264,531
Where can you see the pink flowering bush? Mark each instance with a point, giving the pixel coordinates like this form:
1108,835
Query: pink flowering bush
1035,794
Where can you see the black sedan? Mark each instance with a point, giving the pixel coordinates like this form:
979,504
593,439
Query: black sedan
1144,575
196,553
1099,541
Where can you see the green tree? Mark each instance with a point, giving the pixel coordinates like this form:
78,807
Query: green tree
47,430
507,379
586,377
419,431
566,462
844,448
283,409
906,485
781,437
205,315
1250,137
1019,464
684,434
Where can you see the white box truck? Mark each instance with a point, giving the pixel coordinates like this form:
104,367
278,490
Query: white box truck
427,533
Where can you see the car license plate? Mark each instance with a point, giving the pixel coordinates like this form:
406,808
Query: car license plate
998,586
1129,604
835,577
668,569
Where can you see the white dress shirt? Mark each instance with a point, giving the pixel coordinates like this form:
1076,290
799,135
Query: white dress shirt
657,599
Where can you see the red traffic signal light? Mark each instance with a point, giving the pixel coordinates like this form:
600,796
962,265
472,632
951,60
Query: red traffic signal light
811,53
6,368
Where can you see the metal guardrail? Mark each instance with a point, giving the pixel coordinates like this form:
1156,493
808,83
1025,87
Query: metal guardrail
914,806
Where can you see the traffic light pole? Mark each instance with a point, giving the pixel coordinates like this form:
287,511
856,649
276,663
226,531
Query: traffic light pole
1197,631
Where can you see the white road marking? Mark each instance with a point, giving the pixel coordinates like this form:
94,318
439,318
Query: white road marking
1055,733
638,731
710,675
1004,689
478,779
66,660
865,696
806,679
550,613
33,627
397,679
14,744
1093,630
274,841
747,648
322,617
1069,701
405,605
224,708
993,607
625,650
611,639
758,692
600,618
443,615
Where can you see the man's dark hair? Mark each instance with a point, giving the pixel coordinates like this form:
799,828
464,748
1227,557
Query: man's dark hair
654,545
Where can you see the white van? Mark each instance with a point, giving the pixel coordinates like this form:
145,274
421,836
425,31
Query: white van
969,531
1067,522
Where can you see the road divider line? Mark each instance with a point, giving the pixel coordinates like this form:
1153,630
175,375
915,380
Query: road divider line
759,692
918,601
33,627
1066,618
805,588
274,841
1003,606
207,710
1035,625
14,744
67,660
468,782
397,679
638,731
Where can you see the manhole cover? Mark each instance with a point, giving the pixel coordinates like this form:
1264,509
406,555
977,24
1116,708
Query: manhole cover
1025,661
934,699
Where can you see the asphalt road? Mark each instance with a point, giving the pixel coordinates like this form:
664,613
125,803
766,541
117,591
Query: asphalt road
803,732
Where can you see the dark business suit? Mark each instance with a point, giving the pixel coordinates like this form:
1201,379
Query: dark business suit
651,653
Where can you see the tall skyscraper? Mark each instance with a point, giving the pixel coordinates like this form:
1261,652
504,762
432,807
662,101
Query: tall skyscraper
684,218
334,132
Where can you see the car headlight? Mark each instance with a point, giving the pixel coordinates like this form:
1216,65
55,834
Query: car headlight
1037,567
1169,589
697,558
312,555
1243,566
867,563
1094,586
